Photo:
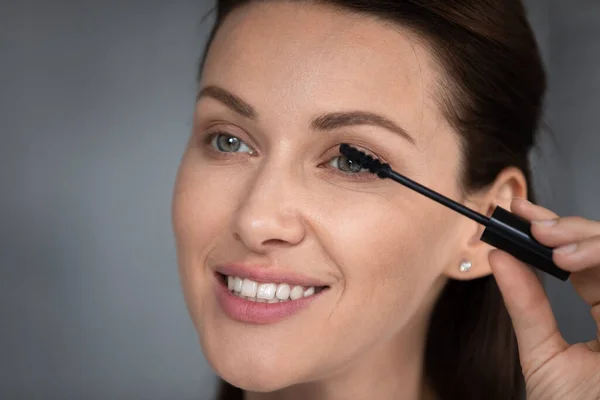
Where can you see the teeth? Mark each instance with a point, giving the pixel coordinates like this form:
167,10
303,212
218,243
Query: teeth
266,292
283,291
297,293
237,284
249,288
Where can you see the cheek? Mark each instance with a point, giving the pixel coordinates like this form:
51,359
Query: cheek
389,263
406,260
394,273
202,202
201,206
388,241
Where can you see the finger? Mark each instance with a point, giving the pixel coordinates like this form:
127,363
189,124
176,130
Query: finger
566,230
579,256
587,285
535,326
552,230
530,211
594,345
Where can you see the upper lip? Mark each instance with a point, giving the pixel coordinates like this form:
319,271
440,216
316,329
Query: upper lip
268,274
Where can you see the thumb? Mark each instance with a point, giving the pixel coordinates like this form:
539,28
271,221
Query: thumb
538,337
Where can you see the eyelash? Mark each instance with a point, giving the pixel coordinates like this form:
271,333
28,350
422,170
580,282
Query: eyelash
208,142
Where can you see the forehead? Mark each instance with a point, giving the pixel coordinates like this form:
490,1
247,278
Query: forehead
301,56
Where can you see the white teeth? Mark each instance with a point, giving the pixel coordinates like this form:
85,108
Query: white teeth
283,291
249,288
296,293
266,292
237,284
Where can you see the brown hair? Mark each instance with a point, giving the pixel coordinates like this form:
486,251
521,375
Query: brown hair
493,98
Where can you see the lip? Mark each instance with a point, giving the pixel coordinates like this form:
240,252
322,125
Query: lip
268,275
258,313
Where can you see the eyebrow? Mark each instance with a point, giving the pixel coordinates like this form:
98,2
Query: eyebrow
351,118
326,122
230,100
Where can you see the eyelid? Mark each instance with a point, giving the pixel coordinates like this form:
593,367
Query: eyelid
362,176
335,152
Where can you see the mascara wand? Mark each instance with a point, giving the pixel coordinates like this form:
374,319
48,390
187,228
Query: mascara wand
503,229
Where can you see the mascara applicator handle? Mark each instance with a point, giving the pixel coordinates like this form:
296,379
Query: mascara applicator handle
512,234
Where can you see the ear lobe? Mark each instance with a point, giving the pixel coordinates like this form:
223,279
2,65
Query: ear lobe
477,265
510,183
473,251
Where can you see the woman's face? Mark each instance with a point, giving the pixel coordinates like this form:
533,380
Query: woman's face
263,195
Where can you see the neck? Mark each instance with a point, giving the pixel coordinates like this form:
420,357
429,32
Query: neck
394,370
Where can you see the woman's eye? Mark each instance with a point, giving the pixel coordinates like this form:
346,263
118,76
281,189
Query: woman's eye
345,164
229,144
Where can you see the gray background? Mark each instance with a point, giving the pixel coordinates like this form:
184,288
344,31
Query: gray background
96,99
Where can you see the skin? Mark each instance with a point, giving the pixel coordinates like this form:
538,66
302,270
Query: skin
281,200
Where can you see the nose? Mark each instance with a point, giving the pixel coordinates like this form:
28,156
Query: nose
269,215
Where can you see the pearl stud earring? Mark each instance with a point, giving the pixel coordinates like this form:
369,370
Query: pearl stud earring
465,266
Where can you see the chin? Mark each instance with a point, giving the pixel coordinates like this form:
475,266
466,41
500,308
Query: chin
256,370
255,378
252,384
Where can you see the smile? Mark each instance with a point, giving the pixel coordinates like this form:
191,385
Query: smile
268,292
249,301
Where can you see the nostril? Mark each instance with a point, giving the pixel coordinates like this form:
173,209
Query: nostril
275,242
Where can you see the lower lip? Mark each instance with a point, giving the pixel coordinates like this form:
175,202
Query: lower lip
259,313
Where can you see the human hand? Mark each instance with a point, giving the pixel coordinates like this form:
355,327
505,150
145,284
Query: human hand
552,368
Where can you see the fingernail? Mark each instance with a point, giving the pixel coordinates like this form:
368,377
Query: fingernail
566,249
545,222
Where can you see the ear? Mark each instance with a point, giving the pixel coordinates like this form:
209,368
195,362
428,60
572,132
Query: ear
510,183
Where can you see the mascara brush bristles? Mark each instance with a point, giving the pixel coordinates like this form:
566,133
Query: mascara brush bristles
366,161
